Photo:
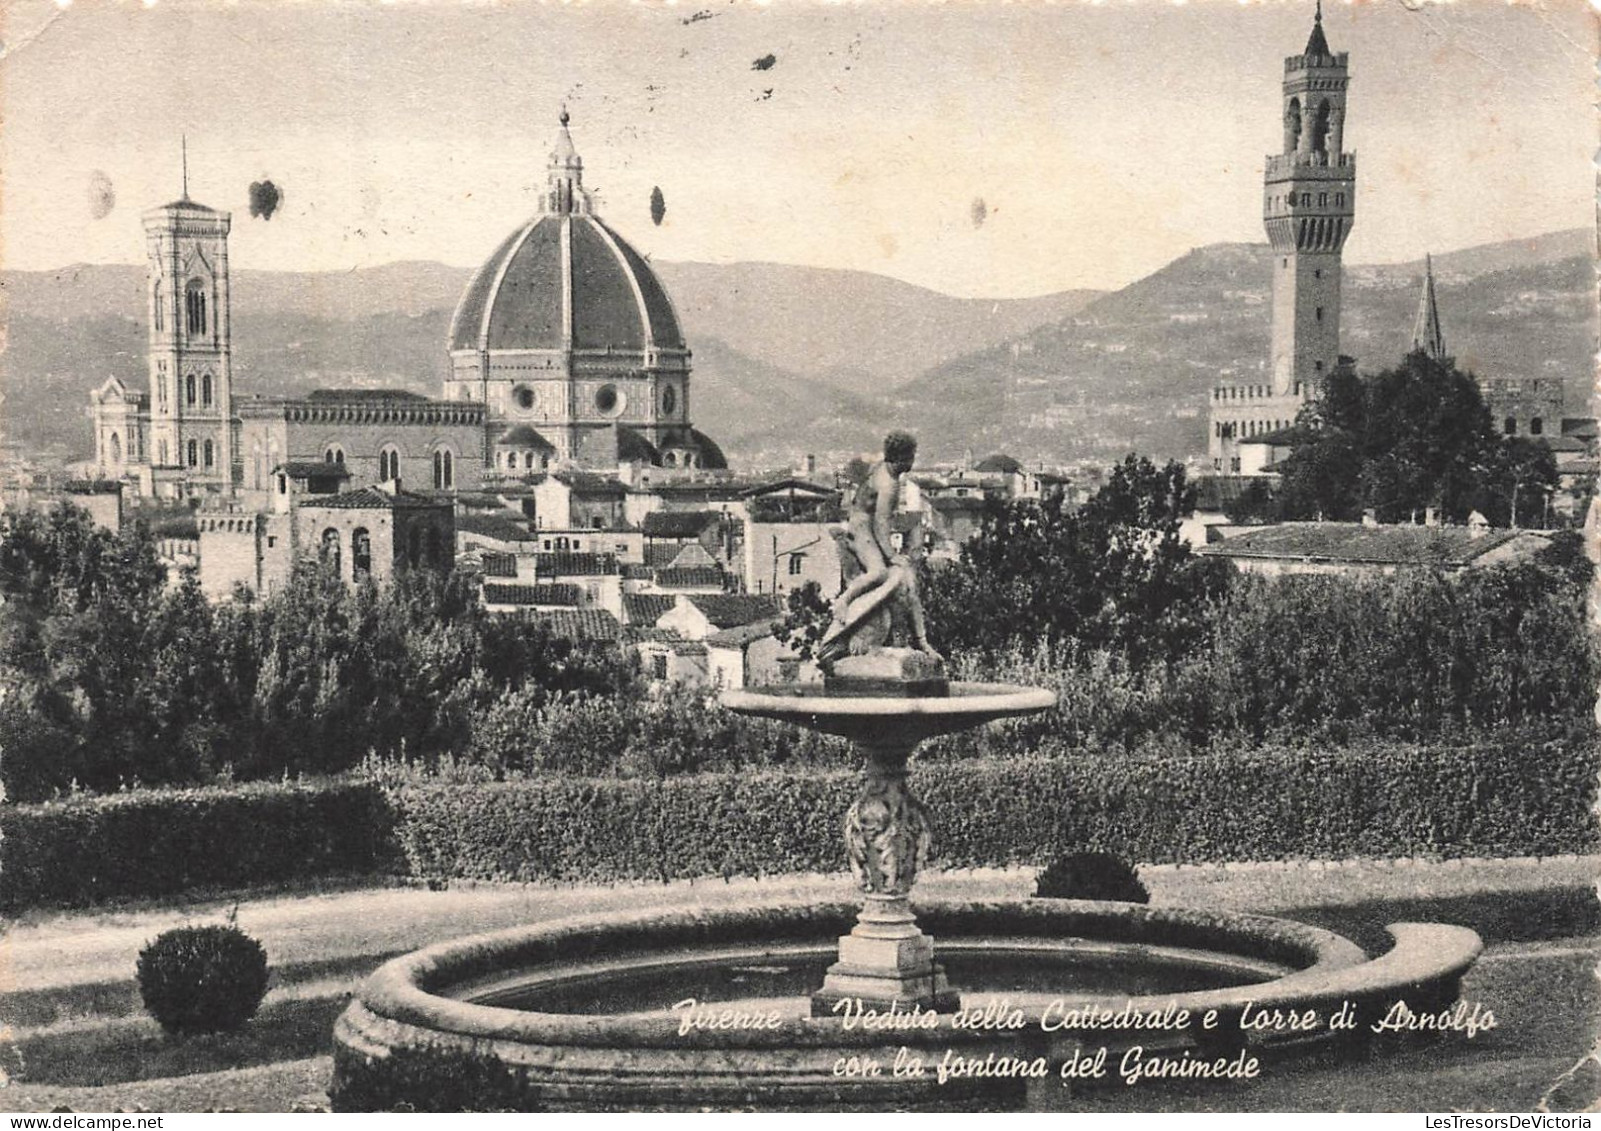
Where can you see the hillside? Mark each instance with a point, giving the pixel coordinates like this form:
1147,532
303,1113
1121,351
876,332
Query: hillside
795,360
1131,371
775,346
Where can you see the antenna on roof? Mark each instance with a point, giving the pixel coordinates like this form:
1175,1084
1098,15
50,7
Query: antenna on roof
186,166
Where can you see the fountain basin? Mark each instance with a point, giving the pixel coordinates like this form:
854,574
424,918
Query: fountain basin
870,717
581,1009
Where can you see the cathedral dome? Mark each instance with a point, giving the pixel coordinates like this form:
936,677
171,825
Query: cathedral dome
565,280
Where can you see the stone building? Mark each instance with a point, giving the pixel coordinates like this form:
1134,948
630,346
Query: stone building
1519,406
1309,198
565,331
565,352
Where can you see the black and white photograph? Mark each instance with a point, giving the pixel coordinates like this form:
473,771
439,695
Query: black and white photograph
769,556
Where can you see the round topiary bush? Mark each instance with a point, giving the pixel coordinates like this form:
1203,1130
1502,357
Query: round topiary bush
1090,875
202,979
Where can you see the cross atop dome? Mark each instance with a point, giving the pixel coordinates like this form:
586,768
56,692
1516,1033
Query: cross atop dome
565,180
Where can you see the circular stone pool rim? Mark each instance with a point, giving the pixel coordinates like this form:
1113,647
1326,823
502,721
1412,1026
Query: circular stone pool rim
579,1060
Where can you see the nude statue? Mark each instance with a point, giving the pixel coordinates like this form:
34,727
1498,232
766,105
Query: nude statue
885,573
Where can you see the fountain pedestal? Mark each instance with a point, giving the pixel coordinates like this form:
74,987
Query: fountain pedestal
886,961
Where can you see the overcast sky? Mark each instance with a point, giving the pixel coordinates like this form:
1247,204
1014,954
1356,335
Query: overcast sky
1103,139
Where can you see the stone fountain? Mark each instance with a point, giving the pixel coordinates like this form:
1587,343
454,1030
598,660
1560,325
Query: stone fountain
573,1014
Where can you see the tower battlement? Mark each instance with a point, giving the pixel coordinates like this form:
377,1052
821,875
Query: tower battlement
1311,165
1335,62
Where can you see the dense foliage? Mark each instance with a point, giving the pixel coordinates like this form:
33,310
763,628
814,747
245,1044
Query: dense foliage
1516,795
1113,574
1414,437
162,842
112,678
1090,875
1493,798
202,979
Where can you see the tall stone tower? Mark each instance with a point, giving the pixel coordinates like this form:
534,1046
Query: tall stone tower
1309,196
1309,203
191,442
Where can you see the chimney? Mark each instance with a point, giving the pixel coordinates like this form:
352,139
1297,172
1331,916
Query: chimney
811,464
1370,517
1431,517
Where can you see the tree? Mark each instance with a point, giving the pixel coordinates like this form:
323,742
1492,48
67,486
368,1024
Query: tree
1114,574
1401,442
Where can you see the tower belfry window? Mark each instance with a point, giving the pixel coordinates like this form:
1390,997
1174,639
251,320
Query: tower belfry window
194,303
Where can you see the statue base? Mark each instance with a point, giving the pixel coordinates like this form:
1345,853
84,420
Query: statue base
885,964
904,673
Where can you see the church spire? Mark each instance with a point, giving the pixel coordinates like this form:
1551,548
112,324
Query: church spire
1316,43
1426,333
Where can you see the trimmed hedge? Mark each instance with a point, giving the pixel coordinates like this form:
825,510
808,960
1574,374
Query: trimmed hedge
1488,799
160,842
1502,798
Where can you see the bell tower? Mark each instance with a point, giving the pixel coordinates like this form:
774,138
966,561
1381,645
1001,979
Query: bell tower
191,381
1308,207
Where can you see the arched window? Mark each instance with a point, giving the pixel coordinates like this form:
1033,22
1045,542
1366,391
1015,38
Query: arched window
360,553
1536,426
1292,125
1320,128
161,447
334,454
329,550
194,305
193,454
189,389
116,448
388,463
1510,427
211,454
205,390
157,320
528,461
670,459
795,561
444,470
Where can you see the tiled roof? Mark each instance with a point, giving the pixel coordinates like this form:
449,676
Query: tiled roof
313,469
1356,543
494,526
576,624
589,483
640,634
1214,492
350,396
566,595
499,565
677,524
784,486
524,436
572,563
375,498
660,555
692,577
740,635
731,610
646,608
633,571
